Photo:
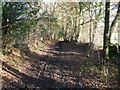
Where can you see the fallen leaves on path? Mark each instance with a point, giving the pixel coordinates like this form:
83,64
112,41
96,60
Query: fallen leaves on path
52,68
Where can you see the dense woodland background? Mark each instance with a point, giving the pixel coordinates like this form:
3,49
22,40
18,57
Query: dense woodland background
77,43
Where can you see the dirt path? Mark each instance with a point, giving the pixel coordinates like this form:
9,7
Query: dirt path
59,66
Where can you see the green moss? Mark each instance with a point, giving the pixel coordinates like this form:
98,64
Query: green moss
114,51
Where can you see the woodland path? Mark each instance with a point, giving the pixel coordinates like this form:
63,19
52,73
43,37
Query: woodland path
59,66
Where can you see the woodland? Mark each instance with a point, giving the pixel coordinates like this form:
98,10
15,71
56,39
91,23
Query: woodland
59,45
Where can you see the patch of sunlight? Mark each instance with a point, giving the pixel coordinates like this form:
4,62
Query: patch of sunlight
16,54
40,46
1,55
17,60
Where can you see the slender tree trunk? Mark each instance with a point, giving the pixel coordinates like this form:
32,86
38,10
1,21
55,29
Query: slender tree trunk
90,27
106,41
119,56
106,32
114,22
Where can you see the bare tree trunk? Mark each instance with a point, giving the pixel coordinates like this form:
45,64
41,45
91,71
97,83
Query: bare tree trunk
106,41
90,27
106,32
114,22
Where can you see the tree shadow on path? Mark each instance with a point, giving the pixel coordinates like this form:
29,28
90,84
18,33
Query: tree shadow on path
51,71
